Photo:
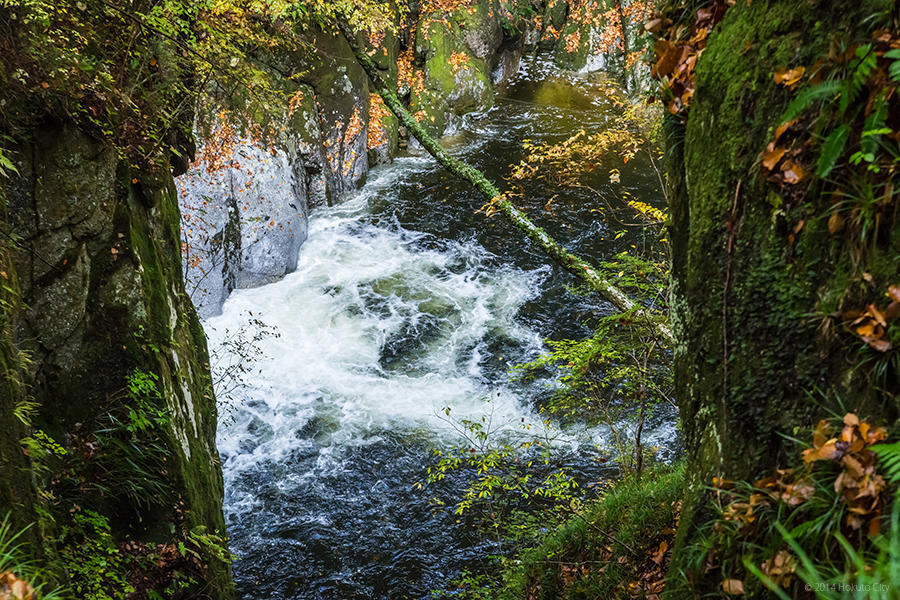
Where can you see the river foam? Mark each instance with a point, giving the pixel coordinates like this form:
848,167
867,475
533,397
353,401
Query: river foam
380,328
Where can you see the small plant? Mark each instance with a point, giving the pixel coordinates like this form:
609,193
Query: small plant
617,377
144,412
505,462
814,528
234,359
20,577
96,568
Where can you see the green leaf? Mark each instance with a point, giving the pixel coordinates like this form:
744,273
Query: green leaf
889,455
6,165
808,96
832,149
864,64
894,70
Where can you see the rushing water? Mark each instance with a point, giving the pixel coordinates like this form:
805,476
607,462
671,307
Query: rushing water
404,302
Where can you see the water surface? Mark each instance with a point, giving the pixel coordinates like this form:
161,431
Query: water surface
406,301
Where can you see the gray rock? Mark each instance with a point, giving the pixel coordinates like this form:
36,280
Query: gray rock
243,223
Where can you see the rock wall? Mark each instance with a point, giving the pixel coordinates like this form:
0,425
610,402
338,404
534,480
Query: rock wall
757,277
245,199
243,217
102,303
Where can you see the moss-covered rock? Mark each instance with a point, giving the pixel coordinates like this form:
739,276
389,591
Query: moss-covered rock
758,353
573,46
17,485
100,268
455,50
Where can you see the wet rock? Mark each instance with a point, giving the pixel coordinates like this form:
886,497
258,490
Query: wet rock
243,220
99,262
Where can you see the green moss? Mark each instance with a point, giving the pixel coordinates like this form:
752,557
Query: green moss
758,351
596,555
457,81
17,493
576,58
133,316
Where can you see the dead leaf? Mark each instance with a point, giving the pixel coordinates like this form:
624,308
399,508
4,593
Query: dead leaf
877,343
660,553
733,587
835,223
784,127
827,451
654,25
789,77
793,172
771,156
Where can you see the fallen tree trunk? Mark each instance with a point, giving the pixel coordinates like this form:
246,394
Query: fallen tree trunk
571,263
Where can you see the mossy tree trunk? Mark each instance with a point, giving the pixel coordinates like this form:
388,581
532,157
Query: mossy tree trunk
756,294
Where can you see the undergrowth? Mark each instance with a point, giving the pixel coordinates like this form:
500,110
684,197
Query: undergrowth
617,547
20,576
826,527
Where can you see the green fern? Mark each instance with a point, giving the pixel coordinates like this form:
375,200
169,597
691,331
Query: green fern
890,460
832,149
895,66
865,63
809,95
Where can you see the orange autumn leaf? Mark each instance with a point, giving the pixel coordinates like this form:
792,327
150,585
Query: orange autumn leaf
784,127
826,451
789,77
771,156
660,552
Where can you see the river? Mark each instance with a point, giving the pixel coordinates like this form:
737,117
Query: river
405,302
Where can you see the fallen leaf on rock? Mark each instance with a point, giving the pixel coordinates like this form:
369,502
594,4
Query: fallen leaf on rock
789,77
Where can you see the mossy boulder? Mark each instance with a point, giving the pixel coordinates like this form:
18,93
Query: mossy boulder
573,46
341,96
456,51
755,277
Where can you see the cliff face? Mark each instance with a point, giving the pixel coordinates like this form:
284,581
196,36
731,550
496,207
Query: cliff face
246,197
116,358
759,279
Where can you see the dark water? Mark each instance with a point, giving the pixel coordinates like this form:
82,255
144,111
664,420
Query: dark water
406,302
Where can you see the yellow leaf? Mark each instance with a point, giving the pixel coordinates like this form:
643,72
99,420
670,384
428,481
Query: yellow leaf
771,157
733,587
835,223
789,77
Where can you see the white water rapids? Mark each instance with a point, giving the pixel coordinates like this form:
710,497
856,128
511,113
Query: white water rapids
380,328
377,333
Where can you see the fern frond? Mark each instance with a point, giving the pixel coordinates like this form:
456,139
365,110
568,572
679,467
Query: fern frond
889,455
808,96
